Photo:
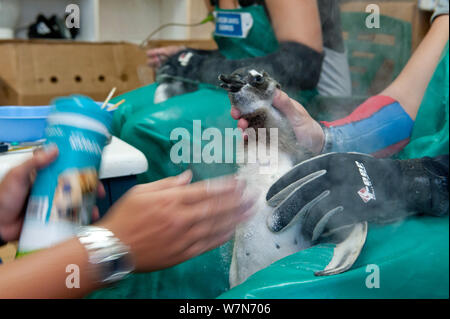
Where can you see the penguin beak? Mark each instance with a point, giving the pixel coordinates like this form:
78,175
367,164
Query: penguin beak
232,84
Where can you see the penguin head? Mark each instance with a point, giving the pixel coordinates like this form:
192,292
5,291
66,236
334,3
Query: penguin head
249,90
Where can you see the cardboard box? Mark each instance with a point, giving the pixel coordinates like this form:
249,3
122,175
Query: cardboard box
200,44
33,72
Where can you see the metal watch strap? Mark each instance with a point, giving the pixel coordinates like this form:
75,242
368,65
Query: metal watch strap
109,256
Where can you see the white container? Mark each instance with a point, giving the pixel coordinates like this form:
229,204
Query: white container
9,15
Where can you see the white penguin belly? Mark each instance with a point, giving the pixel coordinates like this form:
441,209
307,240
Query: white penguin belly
255,246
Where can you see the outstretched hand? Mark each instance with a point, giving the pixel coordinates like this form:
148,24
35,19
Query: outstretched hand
158,56
168,221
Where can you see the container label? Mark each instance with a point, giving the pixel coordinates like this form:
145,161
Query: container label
64,192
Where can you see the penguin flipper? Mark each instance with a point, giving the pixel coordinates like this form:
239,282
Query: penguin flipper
347,251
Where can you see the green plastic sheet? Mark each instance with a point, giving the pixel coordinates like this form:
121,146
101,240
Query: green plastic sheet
149,126
410,257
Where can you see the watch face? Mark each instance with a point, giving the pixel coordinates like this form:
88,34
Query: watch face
116,269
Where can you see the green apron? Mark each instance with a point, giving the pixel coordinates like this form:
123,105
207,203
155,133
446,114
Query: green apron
260,41
406,253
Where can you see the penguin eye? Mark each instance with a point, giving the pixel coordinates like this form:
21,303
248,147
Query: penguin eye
256,80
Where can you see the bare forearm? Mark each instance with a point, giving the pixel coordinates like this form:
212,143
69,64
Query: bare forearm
409,87
296,21
43,274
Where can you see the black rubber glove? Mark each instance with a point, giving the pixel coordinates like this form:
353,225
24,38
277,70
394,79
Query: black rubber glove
337,189
185,64
179,73
294,65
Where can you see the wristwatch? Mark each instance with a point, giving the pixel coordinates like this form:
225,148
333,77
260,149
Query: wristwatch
109,257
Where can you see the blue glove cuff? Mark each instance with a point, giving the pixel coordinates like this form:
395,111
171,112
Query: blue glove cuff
379,126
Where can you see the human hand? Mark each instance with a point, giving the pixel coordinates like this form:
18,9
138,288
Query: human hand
167,222
157,56
338,189
15,188
308,131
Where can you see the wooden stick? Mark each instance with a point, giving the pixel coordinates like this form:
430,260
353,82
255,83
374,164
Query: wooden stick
110,95
115,106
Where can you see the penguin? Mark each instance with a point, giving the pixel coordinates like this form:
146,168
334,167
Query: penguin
255,245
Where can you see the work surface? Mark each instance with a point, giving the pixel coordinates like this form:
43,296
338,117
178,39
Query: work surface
118,159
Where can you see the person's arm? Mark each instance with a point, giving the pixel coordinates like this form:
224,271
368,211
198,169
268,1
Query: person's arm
339,189
43,274
156,57
296,64
162,223
380,126
296,21
410,85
